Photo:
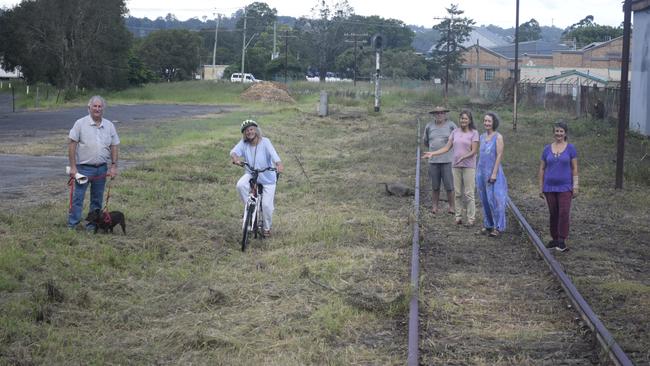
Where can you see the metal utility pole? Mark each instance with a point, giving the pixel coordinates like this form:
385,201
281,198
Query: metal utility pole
623,102
286,52
378,42
243,48
516,76
274,55
214,50
354,36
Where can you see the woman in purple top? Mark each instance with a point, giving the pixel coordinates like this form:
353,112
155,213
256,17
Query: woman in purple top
558,183
465,146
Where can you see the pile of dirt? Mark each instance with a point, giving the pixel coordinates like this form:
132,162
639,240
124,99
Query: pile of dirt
268,92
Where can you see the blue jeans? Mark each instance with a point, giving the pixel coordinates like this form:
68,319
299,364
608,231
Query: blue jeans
96,193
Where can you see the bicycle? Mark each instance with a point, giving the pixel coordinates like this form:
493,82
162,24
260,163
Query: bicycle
253,221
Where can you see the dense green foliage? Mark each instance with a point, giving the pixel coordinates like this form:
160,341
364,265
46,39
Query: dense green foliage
586,31
454,30
172,54
530,31
69,44
71,54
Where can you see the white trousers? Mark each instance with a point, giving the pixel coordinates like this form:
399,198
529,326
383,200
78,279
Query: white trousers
268,195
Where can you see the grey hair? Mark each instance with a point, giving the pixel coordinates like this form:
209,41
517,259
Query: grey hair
96,97
258,133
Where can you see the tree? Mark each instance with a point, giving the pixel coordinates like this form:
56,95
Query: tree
171,54
530,31
69,43
259,17
586,31
325,35
454,30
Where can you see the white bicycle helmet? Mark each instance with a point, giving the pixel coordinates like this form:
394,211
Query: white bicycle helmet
247,123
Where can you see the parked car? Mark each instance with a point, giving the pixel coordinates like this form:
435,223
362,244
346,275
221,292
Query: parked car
329,77
248,78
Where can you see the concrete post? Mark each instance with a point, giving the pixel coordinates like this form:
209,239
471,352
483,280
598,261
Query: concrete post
322,109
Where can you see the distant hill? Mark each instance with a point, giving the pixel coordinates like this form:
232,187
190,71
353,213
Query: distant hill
425,37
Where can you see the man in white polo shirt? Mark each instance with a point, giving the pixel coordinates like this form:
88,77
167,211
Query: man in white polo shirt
93,152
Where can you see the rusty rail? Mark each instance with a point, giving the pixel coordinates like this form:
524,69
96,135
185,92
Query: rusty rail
605,339
414,342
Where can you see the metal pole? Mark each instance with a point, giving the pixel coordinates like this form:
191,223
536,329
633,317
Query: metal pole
516,76
377,76
622,107
275,41
243,48
413,341
354,71
286,53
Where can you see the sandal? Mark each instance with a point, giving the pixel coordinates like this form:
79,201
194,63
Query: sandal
494,233
267,233
459,221
486,231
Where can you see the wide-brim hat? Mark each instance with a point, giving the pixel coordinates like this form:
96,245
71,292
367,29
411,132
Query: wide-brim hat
439,109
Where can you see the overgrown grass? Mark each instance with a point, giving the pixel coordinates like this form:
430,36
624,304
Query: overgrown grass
177,288
331,286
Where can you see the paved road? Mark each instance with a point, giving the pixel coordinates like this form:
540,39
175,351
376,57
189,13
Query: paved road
21,175
125,114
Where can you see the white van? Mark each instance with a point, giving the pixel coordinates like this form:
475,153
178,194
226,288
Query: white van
248,78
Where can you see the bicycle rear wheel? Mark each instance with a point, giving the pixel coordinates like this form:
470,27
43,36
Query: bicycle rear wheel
247,226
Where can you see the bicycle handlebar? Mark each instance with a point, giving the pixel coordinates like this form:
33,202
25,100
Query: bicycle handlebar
245,164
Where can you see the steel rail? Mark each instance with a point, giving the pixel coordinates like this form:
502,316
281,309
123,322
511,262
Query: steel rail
605,338
414,342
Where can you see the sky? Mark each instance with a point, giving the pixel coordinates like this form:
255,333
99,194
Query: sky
561,13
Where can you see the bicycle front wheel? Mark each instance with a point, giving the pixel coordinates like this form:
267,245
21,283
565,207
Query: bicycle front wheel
246,231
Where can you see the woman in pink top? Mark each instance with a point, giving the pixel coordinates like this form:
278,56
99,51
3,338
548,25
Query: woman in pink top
465,147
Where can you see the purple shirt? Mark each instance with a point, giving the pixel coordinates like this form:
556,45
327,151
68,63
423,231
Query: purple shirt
558,175
462,144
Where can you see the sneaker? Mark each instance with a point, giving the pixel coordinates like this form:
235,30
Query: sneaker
551,244
267,233
561,246
459,221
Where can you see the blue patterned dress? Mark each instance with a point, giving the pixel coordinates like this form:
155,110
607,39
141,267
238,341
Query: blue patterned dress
493,196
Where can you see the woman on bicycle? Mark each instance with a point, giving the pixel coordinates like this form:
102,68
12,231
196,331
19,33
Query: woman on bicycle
258,152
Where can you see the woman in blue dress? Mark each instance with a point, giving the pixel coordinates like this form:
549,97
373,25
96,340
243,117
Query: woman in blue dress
490,180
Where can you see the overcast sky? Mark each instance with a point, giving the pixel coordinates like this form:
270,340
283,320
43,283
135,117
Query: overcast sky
560,13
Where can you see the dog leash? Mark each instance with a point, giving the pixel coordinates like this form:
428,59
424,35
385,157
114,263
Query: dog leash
107,215
71,185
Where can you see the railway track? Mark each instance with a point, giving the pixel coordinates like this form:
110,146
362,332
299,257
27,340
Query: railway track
485,301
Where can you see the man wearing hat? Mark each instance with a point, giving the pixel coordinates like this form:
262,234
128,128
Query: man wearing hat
436,135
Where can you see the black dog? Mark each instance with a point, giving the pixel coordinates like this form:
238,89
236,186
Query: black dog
106,222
